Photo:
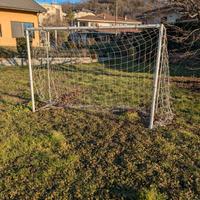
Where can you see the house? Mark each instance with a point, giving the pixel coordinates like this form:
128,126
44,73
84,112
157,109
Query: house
54,15
166,14
104,19
83,13
15,16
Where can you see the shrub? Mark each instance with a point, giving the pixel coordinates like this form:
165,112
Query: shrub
22,48
7,52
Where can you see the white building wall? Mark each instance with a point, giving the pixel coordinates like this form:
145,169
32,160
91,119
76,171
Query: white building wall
83,14
53,11
171,17
102,24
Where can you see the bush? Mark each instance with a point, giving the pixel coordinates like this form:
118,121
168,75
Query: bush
22,47
7,52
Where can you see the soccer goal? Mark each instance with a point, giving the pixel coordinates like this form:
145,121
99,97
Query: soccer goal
102,69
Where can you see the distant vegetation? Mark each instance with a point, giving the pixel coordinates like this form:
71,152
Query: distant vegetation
128,8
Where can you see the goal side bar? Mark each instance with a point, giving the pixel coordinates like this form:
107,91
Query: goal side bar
30,70
156,76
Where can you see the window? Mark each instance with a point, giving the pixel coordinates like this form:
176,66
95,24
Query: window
29,25
18,29
83,24
0,31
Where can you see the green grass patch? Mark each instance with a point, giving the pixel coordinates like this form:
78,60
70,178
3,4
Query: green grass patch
94,84
71,154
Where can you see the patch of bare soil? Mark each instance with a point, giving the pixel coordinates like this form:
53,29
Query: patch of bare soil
191,83
72,97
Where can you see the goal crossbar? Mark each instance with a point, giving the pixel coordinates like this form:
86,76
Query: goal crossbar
140,26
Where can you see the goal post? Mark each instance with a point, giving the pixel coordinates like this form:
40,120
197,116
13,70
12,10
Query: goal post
102,69
156,75
30,69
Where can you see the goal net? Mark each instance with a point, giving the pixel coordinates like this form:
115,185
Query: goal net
102,69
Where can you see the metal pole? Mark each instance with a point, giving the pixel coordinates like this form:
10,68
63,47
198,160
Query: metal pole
140,26
56,38
155,87
116,11
48,65
30,70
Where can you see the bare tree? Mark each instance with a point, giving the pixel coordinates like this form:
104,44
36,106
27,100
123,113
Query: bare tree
129,8
190,8
186,35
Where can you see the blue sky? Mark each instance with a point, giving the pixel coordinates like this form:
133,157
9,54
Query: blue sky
57,1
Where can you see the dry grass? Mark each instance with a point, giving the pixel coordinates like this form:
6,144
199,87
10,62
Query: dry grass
70,154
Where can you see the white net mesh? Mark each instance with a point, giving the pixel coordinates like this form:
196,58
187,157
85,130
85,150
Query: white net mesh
104,69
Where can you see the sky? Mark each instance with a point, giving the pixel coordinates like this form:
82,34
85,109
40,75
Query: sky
57,1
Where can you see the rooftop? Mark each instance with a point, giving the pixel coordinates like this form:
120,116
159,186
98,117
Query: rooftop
23,5
106,18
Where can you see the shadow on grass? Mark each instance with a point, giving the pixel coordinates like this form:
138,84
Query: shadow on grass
124,192
16,96
21,101
115,114
101,70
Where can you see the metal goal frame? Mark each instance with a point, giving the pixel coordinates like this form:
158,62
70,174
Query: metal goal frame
160,27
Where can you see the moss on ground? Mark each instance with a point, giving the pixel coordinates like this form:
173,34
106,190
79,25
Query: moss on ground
70,154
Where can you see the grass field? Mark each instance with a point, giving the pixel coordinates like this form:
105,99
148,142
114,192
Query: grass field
70,154
95,85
